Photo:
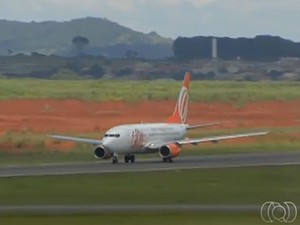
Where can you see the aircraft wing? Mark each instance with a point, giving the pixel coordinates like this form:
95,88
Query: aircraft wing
75,139
195,141
218,138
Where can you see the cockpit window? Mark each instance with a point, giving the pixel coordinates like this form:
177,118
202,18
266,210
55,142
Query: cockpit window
112,135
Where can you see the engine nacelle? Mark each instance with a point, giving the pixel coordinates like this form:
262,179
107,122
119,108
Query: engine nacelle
169,151
101,153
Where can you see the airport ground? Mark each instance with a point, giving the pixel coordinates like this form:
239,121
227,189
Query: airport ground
30,109
137,219
233,194
25,122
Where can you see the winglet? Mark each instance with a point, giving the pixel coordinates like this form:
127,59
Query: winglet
181,110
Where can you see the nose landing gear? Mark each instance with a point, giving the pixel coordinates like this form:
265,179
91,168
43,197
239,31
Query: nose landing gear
115,158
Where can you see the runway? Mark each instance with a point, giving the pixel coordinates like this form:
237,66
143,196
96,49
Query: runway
183,162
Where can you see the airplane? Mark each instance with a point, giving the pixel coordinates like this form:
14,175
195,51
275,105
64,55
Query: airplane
165,138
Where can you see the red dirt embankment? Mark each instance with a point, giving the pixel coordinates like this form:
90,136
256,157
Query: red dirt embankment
73,116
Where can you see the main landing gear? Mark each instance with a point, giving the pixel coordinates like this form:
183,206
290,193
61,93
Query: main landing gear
167,160
129,158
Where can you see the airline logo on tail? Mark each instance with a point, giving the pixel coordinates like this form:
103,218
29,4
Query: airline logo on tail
181,110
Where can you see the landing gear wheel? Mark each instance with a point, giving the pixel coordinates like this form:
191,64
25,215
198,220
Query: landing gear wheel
126,159
114,160
132,158
129,158
170,160
167,160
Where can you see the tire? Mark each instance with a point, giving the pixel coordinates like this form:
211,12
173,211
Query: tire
114,160
165,159
132,158
126,159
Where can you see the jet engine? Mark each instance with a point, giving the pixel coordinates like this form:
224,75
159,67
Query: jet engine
169,151
101,153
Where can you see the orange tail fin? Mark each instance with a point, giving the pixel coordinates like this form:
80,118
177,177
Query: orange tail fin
181,109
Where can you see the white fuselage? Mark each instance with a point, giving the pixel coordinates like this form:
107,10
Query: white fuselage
132,138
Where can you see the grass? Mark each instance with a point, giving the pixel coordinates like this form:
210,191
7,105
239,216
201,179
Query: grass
201,186
138,219
45,157
106,90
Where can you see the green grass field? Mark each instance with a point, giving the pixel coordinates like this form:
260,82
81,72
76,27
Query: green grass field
106,90
205,186
201,186
137,219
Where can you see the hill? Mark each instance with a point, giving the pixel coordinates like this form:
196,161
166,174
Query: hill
51,37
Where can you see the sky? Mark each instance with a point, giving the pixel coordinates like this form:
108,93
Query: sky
171,18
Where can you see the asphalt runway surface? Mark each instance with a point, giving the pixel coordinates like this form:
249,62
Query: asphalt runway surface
184,162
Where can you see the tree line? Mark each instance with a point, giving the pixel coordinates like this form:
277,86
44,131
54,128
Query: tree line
260,48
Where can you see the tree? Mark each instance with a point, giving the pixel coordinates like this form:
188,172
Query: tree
126,71
80,43
131,54
95,71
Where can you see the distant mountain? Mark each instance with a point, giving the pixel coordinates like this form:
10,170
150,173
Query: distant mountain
105,38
